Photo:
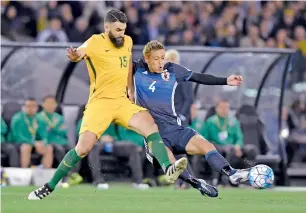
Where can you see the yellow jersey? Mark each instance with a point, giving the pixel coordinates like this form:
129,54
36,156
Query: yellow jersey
107,66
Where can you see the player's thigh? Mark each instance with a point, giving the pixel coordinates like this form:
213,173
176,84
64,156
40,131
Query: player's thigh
198,145
176,137
97,118
135,118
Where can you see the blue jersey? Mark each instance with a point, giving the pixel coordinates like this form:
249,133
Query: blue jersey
155,91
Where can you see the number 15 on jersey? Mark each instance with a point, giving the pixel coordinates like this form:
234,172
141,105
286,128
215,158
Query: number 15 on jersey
152,87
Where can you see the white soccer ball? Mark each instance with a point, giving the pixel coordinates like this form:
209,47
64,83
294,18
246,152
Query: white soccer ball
261,177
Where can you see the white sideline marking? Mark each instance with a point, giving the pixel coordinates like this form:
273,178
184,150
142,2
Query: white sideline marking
290,189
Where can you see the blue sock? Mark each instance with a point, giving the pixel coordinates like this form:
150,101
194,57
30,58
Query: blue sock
188,178
219,163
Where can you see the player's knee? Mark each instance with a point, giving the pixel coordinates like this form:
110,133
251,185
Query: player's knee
82,150
154,127
199,146
86,141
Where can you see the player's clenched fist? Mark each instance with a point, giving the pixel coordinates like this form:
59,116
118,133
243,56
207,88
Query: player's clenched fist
234,80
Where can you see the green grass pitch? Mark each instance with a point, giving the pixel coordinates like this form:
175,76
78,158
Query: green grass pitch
124,199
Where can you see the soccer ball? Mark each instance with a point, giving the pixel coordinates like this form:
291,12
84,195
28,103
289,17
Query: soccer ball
261,177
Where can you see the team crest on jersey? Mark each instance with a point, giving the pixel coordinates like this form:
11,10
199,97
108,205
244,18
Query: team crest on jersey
165,75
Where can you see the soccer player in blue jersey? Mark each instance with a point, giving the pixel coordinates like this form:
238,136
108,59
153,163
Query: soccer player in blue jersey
151,84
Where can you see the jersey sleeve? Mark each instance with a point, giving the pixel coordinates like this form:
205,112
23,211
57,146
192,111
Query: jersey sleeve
181,73
88,46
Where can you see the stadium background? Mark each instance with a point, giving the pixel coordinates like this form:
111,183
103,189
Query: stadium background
263,41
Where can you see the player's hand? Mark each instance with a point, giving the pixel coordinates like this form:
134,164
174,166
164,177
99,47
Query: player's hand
234,80
131,96
73,54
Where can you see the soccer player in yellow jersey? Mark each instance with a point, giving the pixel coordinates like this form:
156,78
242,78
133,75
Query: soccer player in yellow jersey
108,58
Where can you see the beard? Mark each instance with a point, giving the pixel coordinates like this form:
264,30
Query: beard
117,41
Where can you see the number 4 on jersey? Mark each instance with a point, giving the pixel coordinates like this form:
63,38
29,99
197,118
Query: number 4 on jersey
152,87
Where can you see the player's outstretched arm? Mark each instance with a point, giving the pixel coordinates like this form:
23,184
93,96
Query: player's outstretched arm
75,55
233,80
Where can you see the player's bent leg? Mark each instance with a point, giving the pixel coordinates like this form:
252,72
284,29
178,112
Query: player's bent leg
197,145
143,123
86,141
85,144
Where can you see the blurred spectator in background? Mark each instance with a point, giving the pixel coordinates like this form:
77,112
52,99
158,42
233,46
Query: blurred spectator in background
52,7
133,28
252,39
66,17
271,43
55,133
8,150
295,115
300,39
264,30
196,123
231,39
10,23
297,130
281,39
42,19
225,133
26,132
54,33
173,23
183,96
80,32
287,22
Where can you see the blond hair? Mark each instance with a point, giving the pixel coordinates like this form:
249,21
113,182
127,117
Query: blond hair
152,45
173,56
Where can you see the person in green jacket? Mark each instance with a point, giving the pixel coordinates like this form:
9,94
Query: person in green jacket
55,133
52,123
225,133
196,123
26,131
7,149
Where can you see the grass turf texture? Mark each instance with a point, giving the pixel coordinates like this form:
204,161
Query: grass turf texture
123,198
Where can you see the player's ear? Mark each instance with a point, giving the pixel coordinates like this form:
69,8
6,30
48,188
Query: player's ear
106,27
146,58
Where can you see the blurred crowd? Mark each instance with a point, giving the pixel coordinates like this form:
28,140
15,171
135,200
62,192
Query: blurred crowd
211,23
